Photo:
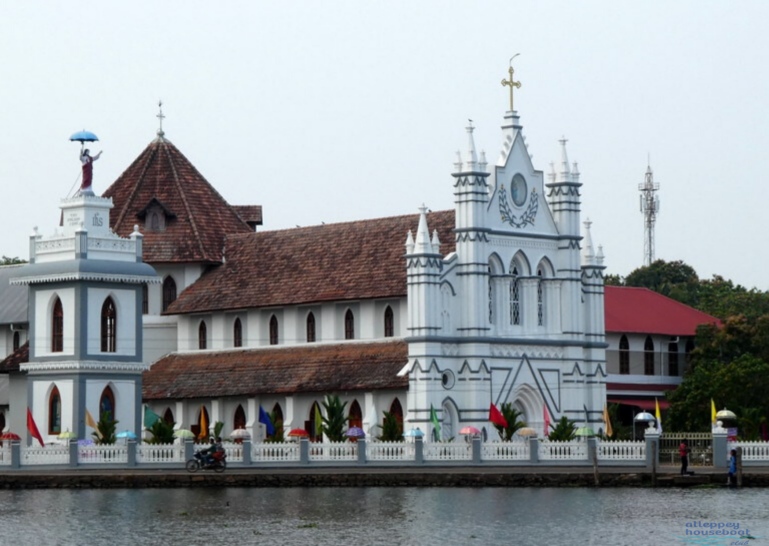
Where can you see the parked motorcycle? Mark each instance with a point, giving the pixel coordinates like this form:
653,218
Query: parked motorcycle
200,462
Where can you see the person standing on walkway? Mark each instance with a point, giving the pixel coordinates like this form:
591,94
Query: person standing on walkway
683,451
732,468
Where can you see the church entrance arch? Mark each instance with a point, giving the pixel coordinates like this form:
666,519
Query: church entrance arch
450,425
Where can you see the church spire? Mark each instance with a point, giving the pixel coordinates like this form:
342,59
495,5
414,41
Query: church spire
471,157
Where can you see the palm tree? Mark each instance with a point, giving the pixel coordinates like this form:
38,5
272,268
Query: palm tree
514,424
106,427
564,431
335,419
162,432
392,430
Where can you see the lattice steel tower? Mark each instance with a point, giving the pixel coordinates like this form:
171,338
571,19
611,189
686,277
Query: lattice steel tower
650,206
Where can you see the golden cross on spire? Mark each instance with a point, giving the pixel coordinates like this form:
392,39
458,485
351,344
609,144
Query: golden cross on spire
512,83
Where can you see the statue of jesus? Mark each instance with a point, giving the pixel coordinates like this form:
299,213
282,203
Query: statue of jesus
87,160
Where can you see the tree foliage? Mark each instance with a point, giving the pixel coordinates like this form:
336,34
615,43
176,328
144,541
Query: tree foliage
392,429
162,432
335,420
564,430
6,260
514,423
107,427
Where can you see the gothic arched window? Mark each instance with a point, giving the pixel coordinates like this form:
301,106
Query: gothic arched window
540,299
311,424
239,421
108,327
648,356
310,328
107,405
54,412
673,358
57,328
515,299
624,356
202,335
273,330
389,322
396,410
168,417
237,333
169,292
277,421
355,417
349,325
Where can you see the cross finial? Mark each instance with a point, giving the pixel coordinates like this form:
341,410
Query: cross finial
511,83
161,117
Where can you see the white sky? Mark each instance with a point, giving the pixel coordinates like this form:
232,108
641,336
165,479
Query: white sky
333,111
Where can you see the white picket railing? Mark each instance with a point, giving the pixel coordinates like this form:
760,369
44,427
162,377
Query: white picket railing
562,451
621,450
234,452
389,451
334,451
102,454
159,453
447,452
275,453
5,453
505,451
45,455
751,451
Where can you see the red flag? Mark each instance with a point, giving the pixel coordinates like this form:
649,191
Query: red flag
547,421
32,428
496,417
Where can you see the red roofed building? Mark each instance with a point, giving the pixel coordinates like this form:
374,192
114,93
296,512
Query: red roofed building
650,337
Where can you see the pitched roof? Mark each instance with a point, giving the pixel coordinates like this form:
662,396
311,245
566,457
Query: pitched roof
349,366
198,218
640,310
347,261
12,362
13,298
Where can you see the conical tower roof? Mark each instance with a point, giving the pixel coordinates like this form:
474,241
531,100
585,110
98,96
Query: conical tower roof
195,217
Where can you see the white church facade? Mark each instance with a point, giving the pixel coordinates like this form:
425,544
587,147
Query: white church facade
499,300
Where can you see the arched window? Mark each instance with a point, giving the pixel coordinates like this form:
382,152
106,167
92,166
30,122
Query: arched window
311,424
2,421
108,327
237,333
240,418
273,330
356,415
154,221
202,335
107,405
540,299
624,356
16,342
349,325
648,356
168,417
389,322
277,421
145,299
169,292
515,299
57,328
673,358
54,412
310,328
397,411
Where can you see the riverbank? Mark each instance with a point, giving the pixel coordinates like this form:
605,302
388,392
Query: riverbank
373,477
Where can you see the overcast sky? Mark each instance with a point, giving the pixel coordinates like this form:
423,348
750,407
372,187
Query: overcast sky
335,111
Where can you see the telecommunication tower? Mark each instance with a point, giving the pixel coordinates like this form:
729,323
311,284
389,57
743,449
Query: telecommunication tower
650,206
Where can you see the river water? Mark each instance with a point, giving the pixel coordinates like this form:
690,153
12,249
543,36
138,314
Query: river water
380,516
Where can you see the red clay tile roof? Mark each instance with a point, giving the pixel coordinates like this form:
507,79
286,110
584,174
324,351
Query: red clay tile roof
201,217
251,214
640,310
311,368
16,358
348,261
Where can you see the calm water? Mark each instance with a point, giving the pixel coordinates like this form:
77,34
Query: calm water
368,516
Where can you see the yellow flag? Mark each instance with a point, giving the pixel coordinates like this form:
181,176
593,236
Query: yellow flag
607,421
658,416
712,412
203,424
91,423
318,422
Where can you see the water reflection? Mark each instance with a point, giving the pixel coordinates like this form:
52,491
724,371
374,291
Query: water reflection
370,516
